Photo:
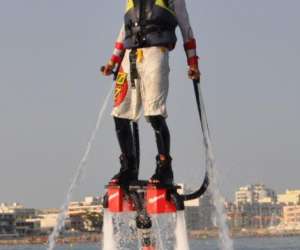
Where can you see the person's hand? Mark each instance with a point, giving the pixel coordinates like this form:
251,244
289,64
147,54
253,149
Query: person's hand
194,72
108,68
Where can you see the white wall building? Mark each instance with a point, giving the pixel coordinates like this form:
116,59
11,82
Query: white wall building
80,211
257,193
291,197
48,218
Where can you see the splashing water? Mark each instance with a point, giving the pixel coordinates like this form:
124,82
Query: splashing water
181,236
226,242
77,177
120,232
108,232
157,237
162,230
125,233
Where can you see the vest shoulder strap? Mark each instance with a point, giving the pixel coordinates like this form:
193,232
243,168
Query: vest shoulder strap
165,5
161,3
130,5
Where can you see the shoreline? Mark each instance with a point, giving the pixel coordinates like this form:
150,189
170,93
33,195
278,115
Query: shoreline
248,233
43,240
97,237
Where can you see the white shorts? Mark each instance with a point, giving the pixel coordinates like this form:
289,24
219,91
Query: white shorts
151,87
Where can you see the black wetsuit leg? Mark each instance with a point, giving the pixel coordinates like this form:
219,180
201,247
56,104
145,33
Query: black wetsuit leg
125,136
163,173
128,172
162,134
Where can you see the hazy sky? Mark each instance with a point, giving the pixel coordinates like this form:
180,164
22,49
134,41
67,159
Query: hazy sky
51,91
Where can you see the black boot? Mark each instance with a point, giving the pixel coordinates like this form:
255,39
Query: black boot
163,173
128,172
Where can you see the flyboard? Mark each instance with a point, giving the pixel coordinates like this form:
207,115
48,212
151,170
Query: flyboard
146,199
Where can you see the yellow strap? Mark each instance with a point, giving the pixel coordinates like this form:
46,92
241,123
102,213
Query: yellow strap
163,49
139,55
130,5
162,4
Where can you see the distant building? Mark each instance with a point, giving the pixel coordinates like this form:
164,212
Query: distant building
244,195
291,197
291,215
86,215
232,214
257,193
254,215
81,216
15,218
89,204
206,212
7,223
48,219
255,206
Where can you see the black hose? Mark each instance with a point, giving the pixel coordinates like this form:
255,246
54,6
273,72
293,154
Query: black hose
198,192
178,200
105,201
205,183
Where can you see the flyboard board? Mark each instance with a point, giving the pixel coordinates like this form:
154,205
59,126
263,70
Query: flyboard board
147,200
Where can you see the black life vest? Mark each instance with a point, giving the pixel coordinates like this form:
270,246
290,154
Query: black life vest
149,23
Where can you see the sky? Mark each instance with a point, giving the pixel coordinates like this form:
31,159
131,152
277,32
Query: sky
51,92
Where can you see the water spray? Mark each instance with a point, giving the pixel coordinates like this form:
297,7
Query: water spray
77,177
226,242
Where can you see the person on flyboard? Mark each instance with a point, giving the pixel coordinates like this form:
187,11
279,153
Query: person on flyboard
142,51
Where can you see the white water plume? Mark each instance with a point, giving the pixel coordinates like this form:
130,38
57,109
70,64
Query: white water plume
226,242
108,232
77,177
163,231
182,242
159,243
125,232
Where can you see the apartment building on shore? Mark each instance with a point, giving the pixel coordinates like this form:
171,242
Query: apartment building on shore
17,220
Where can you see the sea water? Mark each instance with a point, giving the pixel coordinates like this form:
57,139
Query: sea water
278,243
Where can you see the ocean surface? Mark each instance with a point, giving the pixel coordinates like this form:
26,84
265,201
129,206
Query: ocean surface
284,243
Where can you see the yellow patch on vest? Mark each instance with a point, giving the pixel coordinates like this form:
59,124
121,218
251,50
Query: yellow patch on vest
130,5
162,4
